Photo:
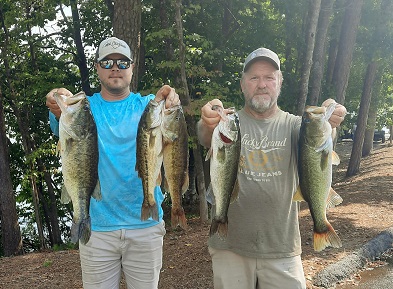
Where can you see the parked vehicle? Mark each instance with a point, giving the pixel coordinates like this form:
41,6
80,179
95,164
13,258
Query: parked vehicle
379,135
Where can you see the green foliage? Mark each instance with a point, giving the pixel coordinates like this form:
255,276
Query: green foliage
47,263
62,247
40,54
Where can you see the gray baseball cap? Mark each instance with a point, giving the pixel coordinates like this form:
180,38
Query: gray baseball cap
261,53
113,45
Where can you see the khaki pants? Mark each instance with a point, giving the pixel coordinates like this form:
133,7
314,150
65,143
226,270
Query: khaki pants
138,253
233,271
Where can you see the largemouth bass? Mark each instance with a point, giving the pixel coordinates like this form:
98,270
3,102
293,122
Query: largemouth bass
78,149
149,156
316,157
224,155
175,153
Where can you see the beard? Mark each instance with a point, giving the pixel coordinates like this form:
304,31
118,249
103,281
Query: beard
260,103
115,86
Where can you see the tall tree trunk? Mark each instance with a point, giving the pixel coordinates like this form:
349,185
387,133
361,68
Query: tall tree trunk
53,216
199,170
229,25
22,118
313,14
127,26
354,162
183,91
164,19
332,55
185,100
346,45
368,141
80,56
319,51
200,180
10,232
378,38
111,8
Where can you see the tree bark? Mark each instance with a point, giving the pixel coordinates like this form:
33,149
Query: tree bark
183,91
346,45
229,25
378,38
199,170
127,26
315,7
354,162
80,56
10,232
22,118
319,51
169,53
368,142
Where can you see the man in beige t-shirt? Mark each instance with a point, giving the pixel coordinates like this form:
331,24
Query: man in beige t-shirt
263,246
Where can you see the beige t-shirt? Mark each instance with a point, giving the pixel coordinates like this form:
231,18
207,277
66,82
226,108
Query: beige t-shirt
263,221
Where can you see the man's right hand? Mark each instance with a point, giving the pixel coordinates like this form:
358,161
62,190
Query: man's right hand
51,102
209,120
209,117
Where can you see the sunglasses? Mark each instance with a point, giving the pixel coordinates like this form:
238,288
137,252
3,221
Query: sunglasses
121,64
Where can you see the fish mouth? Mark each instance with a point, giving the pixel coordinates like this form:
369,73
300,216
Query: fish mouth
315,109
225,139
67,101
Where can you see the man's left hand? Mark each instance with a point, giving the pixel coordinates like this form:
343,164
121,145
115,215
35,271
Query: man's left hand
168,94
338,114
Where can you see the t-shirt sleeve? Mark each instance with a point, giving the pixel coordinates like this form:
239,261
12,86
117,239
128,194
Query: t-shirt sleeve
54,124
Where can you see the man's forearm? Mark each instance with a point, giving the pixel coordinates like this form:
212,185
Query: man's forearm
204,134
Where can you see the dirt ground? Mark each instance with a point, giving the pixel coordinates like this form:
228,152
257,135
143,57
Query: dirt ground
367,210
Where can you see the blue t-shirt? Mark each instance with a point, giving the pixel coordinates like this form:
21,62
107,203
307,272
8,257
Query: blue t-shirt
121,188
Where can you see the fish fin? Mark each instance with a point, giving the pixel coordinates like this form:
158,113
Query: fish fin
149,210
326,239
65,197
97,192
178,218
152,140
235,192
69,143
58,149
325,146
220,227
221,154
210,195
335,158
186,183
333,200
159,180
330,109
81,231
298,197
334,133
324,159
209,154
166,186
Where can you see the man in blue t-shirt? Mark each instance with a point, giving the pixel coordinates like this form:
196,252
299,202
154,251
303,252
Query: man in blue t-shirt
120,241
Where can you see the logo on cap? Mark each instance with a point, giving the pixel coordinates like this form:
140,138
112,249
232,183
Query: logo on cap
115,44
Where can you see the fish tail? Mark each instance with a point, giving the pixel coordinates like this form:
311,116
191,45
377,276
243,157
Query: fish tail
325,239
149,210
220,227
81,231
178,218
